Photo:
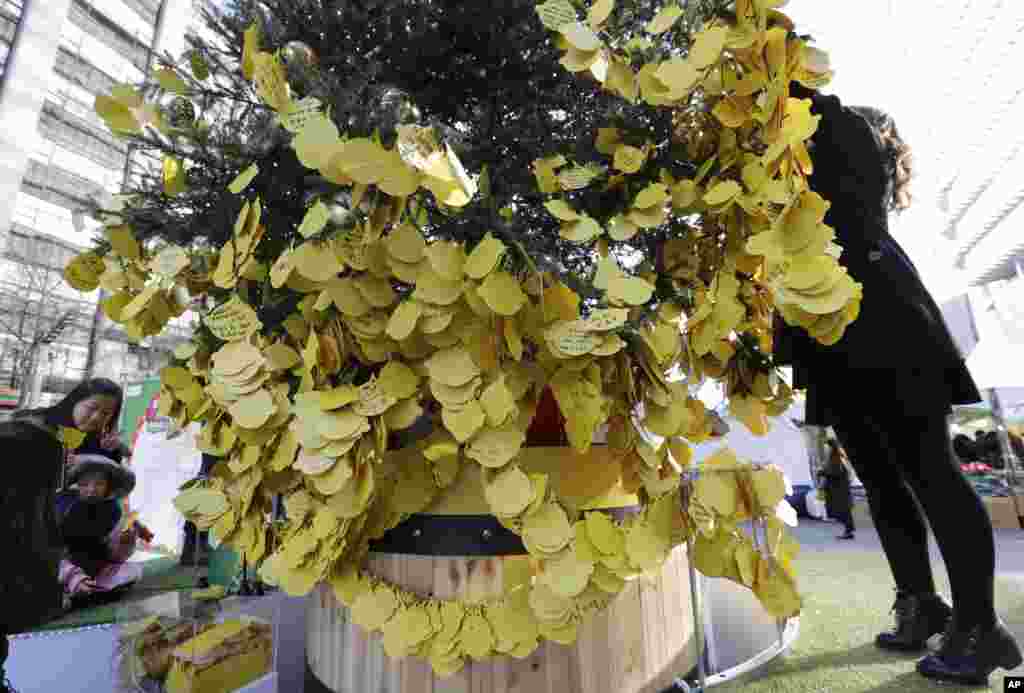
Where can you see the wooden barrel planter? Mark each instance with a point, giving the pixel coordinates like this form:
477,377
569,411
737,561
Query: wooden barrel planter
640,644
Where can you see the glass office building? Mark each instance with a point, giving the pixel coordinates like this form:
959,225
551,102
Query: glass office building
57,157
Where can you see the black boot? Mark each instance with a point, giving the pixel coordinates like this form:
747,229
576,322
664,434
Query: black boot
5,650
918,617
970,656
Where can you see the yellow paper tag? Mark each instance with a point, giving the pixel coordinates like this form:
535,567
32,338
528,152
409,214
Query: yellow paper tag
233,321
242,180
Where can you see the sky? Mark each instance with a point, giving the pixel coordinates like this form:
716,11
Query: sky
875,46
945,87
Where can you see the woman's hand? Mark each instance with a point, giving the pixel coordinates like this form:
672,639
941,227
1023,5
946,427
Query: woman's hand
88,586
110,440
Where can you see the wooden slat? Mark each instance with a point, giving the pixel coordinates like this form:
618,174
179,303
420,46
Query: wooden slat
638,645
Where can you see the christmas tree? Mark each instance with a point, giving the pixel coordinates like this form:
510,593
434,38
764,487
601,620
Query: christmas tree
391,212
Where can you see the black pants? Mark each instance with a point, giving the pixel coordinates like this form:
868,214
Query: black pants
195,540
909,472
846,517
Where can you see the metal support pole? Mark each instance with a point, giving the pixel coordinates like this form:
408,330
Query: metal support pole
1004,438
696,605
698,617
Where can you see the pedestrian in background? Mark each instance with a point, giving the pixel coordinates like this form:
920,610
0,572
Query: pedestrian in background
838,497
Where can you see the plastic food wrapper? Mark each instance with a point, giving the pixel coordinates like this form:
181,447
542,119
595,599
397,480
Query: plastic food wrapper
181,643
223,658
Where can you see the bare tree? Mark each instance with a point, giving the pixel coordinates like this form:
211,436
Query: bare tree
34,307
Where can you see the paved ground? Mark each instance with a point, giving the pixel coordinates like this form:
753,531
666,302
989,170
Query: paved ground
821,536
848,591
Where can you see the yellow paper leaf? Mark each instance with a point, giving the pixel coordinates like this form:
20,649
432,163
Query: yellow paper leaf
403,415
447,259
118,117
599,13
561,210
406,244
83,272
250,48
629,159
556,13
502,293
233,321
495,447
623,81
663,21
485,257
769,488
397,380
677,75
252,411
582,230
722,192
271,81
510,492
632,291
169,80
122,240
395,177
314,220
175,180
653,194
242,180
453,367
548,529
580,36
170,261
298,113
317,143
464,422
708,45
403,320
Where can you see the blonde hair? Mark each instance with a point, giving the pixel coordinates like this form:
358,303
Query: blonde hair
899,158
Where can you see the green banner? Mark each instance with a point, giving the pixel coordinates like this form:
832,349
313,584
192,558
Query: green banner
137,397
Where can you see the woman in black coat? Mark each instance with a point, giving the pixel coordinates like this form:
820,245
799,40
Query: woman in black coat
30,543
886,388
838,498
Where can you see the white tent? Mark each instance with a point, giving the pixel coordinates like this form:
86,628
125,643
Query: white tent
784,445
989,329
161,465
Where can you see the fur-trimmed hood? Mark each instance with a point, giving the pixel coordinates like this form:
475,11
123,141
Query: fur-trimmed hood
122,479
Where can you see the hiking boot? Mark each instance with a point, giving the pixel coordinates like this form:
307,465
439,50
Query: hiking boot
918,617
969,656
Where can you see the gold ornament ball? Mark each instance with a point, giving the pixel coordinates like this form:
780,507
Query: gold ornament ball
299,54
180,112
338,212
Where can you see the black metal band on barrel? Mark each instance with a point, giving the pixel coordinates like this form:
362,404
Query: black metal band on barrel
461,535
312,683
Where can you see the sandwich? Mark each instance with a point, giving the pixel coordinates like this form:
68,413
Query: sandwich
223,658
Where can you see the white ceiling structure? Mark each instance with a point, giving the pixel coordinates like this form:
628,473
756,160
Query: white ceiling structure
949,73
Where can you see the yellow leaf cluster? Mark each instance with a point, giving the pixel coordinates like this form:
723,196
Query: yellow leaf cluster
396,330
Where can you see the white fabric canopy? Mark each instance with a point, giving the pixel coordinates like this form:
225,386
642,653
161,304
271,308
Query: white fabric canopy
160,467
784,446
996,363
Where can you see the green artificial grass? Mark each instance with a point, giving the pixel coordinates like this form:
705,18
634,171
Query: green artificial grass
847,597
158,575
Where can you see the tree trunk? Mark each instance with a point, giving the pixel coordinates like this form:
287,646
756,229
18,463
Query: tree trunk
29,364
